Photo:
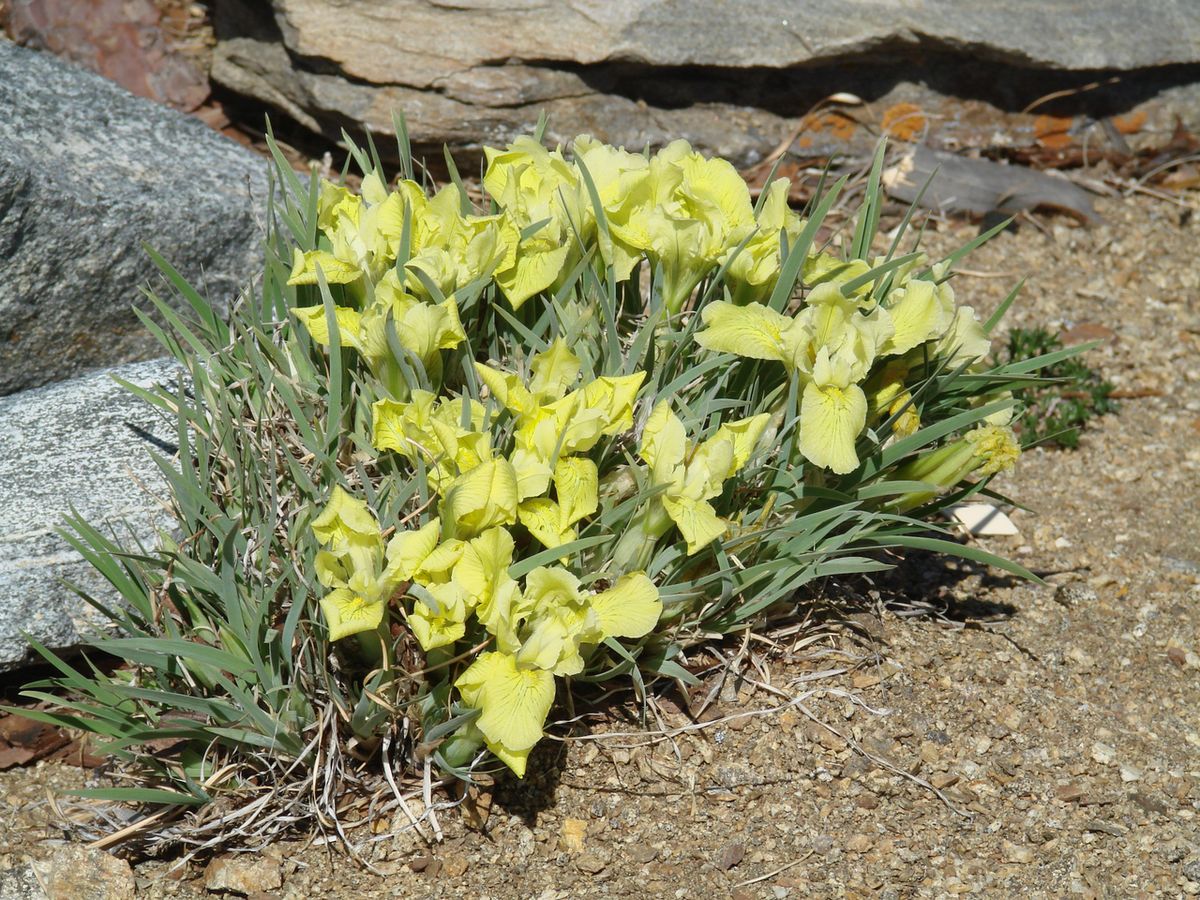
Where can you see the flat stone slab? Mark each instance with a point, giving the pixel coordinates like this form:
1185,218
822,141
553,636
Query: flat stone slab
88,172
81,443
733,77
390,43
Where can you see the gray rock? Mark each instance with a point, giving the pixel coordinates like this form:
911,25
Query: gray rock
73,872
963,184
81,443
88,172
733,77
245,874
1191,871
21,883
392,43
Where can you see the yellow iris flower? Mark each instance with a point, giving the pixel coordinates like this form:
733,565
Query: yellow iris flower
535,185
695,474
576,486
830,344
429,430
363,232
985,450
422,328
554,426
354,562
554,420
616,174
481,498
685,214
754,271
513,687
453,250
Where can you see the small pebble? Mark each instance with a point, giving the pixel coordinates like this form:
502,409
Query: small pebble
729,856
859,843
1096,825
1069,793
455,865
1017,853
571,836
593,862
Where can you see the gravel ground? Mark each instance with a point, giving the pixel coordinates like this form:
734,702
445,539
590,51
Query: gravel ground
1014,739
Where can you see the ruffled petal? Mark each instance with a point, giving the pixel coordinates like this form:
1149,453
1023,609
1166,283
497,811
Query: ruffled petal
346,613
630,608
831,419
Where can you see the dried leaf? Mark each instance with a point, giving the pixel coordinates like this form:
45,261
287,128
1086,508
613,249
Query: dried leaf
962,184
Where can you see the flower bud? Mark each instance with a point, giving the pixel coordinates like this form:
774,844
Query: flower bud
996,448
987,450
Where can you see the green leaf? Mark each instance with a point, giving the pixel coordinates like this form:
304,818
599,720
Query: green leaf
790,270
994,319
868,214
217,330
973,245
524,566
955,549
155,796
404,145
166,653
876,273
902,228
762,194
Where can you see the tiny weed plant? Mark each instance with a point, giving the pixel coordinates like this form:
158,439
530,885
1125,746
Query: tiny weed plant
1056,410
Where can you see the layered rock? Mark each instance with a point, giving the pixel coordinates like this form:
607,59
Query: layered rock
734,77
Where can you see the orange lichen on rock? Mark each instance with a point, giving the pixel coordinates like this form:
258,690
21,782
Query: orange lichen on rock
829,124
1130,124
1053,132
903,121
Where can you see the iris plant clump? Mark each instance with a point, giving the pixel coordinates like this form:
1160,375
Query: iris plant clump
463,455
